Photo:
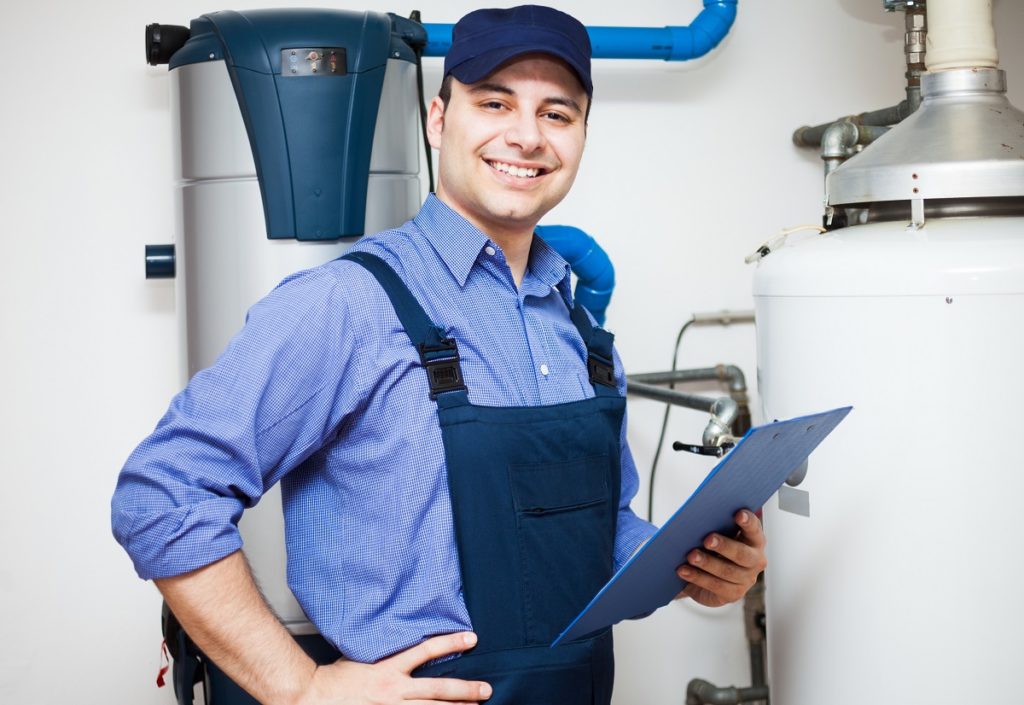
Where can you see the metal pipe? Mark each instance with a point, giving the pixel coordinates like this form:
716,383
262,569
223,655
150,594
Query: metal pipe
701,692
730,416
723,410
669,396
723,373
667,43
725,317
754,626
841,139
719,429
914,40
813,136
702,374
914,45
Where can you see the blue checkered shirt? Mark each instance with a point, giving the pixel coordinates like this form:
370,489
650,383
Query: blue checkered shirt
323,391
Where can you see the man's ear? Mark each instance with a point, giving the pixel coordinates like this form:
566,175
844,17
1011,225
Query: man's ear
435,122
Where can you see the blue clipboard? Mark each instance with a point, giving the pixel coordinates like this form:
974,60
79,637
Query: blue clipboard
746,478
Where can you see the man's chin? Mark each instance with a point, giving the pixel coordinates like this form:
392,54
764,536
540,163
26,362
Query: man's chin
519,211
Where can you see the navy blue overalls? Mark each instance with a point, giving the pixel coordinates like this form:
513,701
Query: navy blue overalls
534,494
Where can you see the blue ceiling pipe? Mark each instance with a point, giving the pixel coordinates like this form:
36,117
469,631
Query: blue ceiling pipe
665,43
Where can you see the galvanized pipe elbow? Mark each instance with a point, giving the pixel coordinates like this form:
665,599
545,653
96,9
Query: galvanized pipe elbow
734,376
838,140
701,692
719,429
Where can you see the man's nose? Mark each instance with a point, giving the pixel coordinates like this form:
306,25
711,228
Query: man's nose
525,133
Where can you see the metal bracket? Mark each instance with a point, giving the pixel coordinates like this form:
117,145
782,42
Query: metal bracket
916,214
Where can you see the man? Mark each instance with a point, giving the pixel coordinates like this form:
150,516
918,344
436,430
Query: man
448,429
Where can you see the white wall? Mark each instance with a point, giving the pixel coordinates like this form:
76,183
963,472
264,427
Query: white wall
688,168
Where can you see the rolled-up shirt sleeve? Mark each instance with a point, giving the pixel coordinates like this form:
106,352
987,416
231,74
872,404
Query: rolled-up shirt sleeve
276,394
631,530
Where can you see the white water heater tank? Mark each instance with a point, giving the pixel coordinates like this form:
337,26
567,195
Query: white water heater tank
894,574
225,260
903,582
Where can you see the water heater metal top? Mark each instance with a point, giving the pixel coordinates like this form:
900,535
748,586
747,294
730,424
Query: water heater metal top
308,83
965,141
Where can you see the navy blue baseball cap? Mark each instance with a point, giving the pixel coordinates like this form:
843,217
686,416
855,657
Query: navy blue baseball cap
484,40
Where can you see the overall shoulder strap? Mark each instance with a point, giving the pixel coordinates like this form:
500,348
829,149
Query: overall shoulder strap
438,353
600,359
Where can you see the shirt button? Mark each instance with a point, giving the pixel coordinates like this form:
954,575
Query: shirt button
544,369
490,250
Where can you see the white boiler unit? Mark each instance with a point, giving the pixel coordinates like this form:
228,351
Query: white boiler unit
894,574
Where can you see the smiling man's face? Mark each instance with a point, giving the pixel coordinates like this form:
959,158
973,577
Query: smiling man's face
509,146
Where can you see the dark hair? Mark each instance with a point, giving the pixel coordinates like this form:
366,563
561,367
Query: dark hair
445,94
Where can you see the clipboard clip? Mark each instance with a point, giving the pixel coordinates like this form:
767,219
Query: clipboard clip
714,451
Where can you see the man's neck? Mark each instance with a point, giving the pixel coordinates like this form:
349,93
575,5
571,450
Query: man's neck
517,252
515,242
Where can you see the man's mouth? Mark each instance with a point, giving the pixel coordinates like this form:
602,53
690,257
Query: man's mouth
513,170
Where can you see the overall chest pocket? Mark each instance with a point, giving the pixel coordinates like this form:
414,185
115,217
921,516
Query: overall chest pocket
557,487
565,525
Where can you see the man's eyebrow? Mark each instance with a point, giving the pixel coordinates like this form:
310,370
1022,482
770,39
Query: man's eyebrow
490,87
566,101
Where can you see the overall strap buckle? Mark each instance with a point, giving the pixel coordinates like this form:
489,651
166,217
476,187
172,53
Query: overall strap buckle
602,370
442,363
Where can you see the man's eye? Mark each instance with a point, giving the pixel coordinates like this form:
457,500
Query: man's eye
556,116
493,105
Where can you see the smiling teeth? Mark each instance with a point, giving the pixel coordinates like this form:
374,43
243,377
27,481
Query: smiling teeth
515,170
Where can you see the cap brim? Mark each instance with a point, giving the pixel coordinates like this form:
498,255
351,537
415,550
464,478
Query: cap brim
483,65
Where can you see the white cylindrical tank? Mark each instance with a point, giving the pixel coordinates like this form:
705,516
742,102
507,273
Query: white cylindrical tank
226,262
902,584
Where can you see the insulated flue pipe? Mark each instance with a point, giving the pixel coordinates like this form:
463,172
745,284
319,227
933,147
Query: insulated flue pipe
666,43
960,35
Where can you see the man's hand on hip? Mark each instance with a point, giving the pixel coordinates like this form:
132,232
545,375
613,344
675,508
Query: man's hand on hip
390,681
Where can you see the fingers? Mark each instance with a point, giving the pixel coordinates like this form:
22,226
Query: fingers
701,596
435,690
391,681
729,567
746,551
447,690
409,660
709,589
751,530
718,567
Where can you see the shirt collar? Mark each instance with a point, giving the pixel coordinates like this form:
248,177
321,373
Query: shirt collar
550,268
458,243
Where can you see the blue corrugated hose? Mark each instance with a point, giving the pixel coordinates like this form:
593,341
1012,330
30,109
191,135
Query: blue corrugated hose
592,266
